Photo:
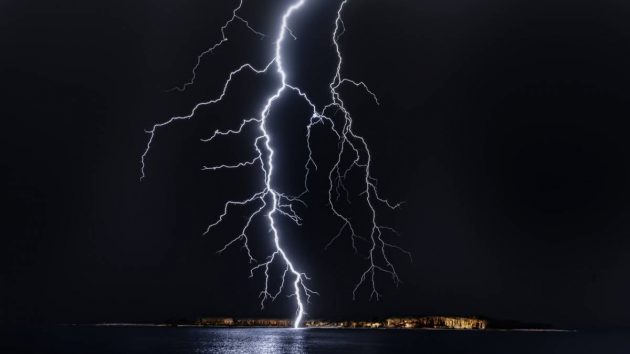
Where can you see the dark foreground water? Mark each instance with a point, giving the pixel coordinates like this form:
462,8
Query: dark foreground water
160,340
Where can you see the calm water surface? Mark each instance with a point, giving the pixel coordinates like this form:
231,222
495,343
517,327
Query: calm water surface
160,340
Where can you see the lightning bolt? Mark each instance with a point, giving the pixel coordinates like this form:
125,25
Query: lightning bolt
271,203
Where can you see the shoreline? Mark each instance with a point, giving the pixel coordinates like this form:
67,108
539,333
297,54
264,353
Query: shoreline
163,325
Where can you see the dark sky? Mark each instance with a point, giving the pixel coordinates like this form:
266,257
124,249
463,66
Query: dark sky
503,125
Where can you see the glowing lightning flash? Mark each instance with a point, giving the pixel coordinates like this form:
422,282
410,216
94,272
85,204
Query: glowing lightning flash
274,203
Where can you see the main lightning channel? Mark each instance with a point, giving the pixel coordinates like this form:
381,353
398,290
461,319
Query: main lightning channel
299,277
272,202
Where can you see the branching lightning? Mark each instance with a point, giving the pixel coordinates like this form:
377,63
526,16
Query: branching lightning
270,202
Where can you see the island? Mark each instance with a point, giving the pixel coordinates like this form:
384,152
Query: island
419,322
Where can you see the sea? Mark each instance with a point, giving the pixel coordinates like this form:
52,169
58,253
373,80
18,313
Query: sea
169,340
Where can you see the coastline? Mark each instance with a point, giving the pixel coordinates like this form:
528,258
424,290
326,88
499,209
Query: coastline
431,323
163,325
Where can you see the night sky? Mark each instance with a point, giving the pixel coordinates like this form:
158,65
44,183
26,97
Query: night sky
503,125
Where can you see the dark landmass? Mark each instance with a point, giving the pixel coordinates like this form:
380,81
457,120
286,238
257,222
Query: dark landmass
418,322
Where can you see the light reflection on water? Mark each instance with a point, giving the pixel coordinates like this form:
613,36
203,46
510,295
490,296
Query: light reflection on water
257,340
301,341
186,340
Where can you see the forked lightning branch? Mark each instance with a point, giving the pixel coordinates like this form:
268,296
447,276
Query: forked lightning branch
270,203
